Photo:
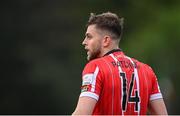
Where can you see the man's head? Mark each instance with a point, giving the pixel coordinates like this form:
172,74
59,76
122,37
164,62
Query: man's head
103,34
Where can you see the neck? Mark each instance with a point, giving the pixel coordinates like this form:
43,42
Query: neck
106,50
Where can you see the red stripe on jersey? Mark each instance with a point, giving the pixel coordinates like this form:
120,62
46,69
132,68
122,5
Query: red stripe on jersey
122,86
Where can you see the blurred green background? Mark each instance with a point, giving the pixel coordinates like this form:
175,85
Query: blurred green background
42,57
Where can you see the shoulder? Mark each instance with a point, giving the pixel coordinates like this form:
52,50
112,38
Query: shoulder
100,64
96,62
143,67
92,65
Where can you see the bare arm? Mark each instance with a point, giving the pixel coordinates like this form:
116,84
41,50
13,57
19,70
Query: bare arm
85,106
157,107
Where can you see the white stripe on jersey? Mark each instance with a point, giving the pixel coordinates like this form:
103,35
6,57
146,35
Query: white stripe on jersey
156,96
137,81
89,94
120,70
94,79
136,77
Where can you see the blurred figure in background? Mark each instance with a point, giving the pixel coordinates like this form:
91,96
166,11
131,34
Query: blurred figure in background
113,83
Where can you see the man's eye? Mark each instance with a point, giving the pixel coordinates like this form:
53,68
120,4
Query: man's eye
89,37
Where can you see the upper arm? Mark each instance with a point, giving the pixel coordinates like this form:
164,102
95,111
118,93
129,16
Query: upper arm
85,106
90,89
156,102
157,107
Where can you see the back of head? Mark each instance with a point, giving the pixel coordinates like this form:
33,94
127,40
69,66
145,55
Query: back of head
109,22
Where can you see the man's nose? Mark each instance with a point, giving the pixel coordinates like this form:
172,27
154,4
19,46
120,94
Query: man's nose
84,41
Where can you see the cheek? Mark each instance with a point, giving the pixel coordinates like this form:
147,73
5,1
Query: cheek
95,45
98,44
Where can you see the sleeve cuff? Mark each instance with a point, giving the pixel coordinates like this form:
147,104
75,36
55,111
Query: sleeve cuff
156,96
90,94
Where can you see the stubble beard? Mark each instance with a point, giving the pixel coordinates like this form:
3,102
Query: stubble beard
93,55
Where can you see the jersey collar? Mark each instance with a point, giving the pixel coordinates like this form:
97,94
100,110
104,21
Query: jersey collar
114,50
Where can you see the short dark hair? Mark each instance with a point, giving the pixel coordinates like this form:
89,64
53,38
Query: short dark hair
107,21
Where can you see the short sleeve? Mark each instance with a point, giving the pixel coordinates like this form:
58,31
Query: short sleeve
91,81
155,91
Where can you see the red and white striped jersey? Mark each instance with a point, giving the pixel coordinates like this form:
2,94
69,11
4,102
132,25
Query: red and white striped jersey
121,85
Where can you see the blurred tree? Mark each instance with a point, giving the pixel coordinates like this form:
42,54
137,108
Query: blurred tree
42,57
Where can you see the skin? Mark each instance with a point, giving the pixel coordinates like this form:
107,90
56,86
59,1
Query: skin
157,107
92,43
97,43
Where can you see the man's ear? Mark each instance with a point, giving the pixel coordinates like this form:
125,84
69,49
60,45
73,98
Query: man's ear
106,41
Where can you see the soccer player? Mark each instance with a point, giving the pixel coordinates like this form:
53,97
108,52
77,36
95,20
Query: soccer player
113,83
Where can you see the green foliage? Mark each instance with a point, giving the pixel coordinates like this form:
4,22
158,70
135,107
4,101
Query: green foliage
42,56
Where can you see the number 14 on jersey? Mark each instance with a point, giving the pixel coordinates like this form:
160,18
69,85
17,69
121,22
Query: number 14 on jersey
130,98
